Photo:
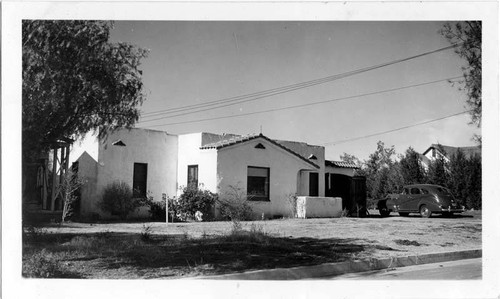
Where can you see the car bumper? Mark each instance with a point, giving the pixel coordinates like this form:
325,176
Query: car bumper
452,209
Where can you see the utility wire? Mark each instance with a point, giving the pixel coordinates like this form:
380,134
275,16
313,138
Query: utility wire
394,130
308,104
279,90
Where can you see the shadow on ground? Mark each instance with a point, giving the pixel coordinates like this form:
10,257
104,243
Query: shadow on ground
156,256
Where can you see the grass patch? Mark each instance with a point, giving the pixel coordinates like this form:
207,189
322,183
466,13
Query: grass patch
148,255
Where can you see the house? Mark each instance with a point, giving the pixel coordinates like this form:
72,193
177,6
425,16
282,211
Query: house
267,172
444,151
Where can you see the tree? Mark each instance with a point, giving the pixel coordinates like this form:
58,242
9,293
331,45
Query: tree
473,172
411,168
458,177
74,81
437,172
69,188
353,160
382,172
467,36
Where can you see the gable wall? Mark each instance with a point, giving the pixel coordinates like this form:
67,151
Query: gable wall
232,166
155,148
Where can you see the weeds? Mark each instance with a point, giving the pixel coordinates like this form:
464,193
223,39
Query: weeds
34,234
41,265
146,233
407,243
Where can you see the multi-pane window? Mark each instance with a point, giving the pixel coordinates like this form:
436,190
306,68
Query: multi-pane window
192,176
140,179
258,183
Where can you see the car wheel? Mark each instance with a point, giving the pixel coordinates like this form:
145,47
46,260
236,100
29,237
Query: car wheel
425,212
384,212
403,214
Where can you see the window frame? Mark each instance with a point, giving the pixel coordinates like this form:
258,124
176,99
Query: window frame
193,166
267,184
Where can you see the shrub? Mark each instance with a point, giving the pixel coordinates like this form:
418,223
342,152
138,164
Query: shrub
173,209
292,202
194,199
234,205
157,209
117,199
146,233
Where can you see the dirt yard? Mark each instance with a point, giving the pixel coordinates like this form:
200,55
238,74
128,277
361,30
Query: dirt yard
206,248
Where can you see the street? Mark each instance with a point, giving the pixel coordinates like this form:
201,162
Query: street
454,270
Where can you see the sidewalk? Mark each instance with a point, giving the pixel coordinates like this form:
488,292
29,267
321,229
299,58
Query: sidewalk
332,269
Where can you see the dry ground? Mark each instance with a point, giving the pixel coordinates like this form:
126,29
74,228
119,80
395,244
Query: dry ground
117,250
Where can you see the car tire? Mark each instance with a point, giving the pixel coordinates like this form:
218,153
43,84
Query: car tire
425,212
384,212
403,214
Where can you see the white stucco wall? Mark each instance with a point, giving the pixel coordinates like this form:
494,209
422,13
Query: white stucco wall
232,165
306,150
87,143
87,170
189,153
316,207
157,149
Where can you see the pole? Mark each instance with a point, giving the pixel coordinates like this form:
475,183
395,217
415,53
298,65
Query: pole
54,181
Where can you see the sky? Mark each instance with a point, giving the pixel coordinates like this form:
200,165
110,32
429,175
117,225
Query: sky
195,62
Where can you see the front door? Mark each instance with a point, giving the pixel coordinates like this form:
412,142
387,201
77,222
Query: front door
313,184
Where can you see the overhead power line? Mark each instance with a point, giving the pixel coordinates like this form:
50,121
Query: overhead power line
394,130
305,105
275,91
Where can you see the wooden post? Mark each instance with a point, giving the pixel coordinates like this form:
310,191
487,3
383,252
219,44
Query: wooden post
54,181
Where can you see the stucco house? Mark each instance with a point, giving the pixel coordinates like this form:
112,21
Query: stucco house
266,171
436,151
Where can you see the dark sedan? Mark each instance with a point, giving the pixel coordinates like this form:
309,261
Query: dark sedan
422,198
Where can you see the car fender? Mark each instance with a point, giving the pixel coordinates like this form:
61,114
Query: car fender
430,203
388,202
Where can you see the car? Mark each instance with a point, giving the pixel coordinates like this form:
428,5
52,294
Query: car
424,199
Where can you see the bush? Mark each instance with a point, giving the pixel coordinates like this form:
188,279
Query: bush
117,199
173,209
234,205
194,199
157,209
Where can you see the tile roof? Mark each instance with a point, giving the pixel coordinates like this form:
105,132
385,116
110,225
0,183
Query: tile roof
340,164
240,139
230,141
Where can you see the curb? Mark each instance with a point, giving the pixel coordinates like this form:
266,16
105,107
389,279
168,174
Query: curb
332,269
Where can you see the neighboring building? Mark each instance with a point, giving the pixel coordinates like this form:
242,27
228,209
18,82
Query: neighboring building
267,172
438,150
145,159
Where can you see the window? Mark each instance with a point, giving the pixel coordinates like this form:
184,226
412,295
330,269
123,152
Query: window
313,184
192,176
258,183
140,179
415,191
